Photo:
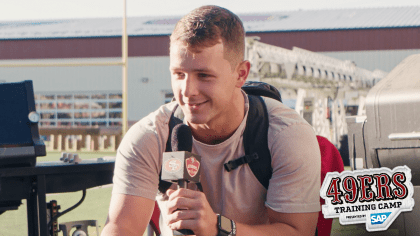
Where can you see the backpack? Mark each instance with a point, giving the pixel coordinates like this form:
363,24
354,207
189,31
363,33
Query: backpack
257,154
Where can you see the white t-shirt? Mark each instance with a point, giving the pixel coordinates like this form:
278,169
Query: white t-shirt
296,162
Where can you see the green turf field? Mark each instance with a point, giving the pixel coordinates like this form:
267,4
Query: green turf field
94,207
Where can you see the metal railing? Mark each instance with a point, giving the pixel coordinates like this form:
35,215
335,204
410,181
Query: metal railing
301,62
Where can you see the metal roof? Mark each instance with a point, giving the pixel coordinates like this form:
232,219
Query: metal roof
332,19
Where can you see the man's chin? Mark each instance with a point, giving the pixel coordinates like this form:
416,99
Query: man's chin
194,117
195,120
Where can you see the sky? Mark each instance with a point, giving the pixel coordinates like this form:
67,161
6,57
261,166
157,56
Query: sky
17,10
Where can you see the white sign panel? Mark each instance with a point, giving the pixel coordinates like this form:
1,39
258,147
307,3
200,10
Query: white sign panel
372,196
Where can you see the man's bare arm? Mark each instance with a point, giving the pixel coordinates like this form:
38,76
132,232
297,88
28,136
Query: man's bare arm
302,224
128,215
202,220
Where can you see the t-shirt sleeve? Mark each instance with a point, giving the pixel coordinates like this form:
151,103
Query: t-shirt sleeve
138,161
295,184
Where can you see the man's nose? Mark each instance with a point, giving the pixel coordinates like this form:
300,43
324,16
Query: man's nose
189,86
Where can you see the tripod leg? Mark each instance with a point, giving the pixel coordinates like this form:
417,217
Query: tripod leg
32,209
42,205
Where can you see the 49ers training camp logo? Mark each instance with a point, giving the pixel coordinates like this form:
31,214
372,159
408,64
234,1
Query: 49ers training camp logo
373,196
192,166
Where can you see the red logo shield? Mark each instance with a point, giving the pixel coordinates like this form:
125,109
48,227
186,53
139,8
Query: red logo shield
192,166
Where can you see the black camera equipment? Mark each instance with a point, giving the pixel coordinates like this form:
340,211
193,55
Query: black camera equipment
22,177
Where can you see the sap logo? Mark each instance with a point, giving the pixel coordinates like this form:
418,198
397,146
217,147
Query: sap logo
379,218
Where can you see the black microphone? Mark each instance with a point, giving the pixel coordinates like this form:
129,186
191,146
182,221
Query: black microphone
181,166
182,132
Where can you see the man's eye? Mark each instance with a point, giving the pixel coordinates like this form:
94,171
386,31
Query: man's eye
203,75
179,74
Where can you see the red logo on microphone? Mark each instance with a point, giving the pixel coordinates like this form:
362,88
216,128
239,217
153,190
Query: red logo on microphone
192,166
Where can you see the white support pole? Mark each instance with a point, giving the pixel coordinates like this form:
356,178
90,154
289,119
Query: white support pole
113,142
88,142
320,122
124,71
52,142
60,143
67,143
334,116
301,94
101,141
341,122
74,139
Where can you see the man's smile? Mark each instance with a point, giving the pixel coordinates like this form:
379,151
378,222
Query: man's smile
195,105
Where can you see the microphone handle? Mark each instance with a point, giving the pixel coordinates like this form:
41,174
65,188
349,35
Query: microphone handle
183,184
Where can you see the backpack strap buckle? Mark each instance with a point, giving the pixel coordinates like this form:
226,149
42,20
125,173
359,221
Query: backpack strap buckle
231,165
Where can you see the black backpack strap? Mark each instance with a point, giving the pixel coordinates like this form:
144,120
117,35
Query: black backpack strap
255,139
261,89
231,165
173,121
176,118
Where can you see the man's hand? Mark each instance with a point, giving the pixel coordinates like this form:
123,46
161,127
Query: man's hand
188,209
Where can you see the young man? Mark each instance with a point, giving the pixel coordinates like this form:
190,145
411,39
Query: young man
207,71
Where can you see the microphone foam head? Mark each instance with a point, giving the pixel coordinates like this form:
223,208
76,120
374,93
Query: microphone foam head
181,139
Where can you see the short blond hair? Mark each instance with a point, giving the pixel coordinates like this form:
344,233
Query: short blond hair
207,26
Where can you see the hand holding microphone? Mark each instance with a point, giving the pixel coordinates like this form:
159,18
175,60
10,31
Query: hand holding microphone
180,165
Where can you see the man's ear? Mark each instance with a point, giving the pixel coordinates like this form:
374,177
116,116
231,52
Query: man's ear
243,72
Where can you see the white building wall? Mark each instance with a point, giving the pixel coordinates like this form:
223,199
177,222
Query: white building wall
148,80
384,60
145,97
